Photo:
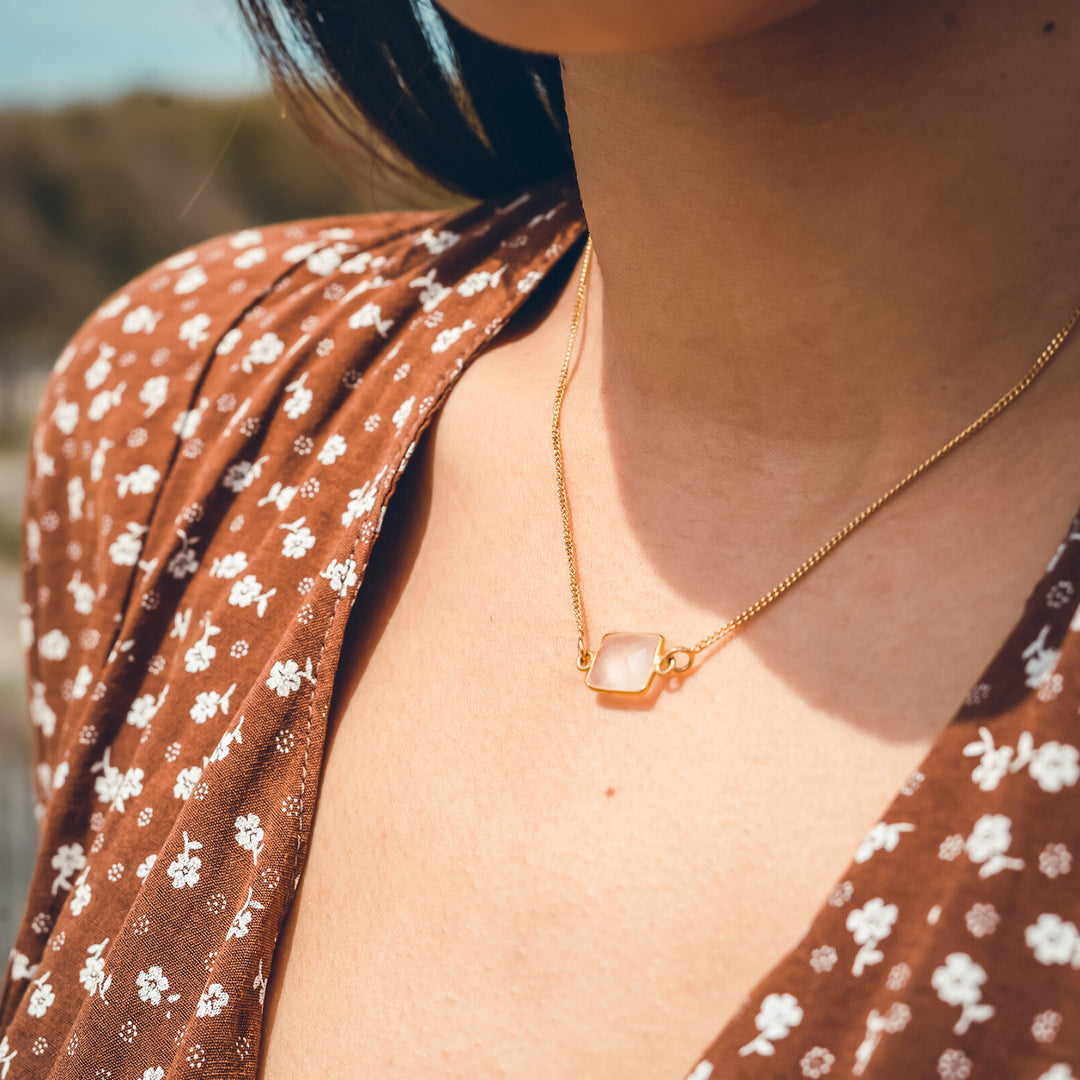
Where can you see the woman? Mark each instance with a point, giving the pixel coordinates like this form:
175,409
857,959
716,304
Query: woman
837,842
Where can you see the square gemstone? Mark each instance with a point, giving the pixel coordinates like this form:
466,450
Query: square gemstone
624,663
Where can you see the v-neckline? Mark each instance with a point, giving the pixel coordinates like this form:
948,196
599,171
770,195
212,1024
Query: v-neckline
771,981
944,744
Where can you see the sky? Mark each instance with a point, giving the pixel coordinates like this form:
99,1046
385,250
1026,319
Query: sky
54,52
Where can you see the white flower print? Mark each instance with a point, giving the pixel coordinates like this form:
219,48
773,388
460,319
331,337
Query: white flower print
988,842
982,919
229,342
437,243
41,714
66,415
155,1072
208,703
193,330
186,779
53,645
182,259
201,653
877,1026
191,279
146,866
1061,1071
144,708
993,761
1055,859
141,320
1055,765
184,869
83,678
184,561
332,449
126,548
450,335
76,495
7,1056
362,499
242,922
1045,1026
83,894
115,787
432,292
151,984
242,474
265,350
341,575
882,837
280,495
479,280
92,976
823,958
101,368
68,859
249,835
1041,661
245,238
154,394
869,925
401,413
959,982
42,997
954,1065
1053,940
187,420
214,998
228,566
105,401
221,751
299,401
327,260
114,306
285,677
298,541
83,592
779,1013
140,482
816,1062
299,252
951,847
252,257
21,968
248,591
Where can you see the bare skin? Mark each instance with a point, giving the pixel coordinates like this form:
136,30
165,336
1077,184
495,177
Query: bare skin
822,249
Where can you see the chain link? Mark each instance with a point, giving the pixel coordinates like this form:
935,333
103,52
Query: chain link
669,662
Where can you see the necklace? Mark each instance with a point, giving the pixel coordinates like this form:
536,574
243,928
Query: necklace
625,663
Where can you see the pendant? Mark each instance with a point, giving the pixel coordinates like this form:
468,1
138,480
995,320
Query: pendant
626,663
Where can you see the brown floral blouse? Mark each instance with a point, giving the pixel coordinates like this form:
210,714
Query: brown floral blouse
209,471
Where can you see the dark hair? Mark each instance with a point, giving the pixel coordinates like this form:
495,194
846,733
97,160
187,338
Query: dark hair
480,118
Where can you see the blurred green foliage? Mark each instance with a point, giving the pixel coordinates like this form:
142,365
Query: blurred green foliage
93,194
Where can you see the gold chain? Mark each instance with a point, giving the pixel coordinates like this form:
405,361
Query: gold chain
671,661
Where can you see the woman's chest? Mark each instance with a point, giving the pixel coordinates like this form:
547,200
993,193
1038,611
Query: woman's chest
501,873
508,878
494,882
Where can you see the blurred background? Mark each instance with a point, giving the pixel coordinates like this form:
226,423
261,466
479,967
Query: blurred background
129,129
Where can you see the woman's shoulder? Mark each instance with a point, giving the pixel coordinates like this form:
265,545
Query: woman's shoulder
304,356
256,304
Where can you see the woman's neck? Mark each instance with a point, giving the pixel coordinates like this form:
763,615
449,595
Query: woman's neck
823,248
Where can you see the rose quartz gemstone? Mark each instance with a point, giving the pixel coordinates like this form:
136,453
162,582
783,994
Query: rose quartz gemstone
624,663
